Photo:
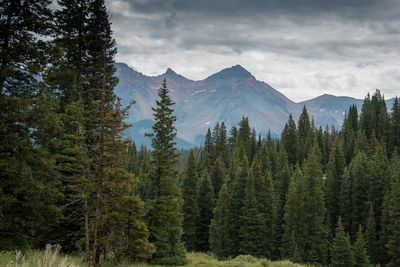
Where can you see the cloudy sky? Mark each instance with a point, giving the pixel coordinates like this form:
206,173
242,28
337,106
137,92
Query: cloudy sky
301,48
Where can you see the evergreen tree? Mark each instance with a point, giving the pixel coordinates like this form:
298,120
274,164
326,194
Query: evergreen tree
394,131
218,174
221,242
251,223
290,141
190,206
360,253
374,116
304,134
349,131
293,239
281,187
244,137
379,181
74,164
221,145
265,209
354,205
164,215
371,238
205,206
126,234
237,192
341,252
346,202
101,52
28,181
335,171
305,212
392,230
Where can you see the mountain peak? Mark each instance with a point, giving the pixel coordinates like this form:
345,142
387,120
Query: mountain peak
170,71
234,72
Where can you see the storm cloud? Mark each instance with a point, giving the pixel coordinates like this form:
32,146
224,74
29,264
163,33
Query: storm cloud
301,48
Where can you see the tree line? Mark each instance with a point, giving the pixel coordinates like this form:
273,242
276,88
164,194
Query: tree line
69,176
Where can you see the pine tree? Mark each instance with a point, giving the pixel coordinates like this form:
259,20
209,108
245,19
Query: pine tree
335,171
281,187
101,52
221,145
379,181
218,174
244,137
265,209
371,238
290,140
126,234
374,117
251,223
305,213
341,252
349,131
237,191
293,239
206,205
360,174
165,216
394,131
28,181
360,253
221,242
393,228
74,164
304,134
190,206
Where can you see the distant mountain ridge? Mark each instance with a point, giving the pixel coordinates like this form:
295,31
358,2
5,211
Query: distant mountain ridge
224,96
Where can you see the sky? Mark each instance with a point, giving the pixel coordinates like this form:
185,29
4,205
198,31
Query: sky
301,48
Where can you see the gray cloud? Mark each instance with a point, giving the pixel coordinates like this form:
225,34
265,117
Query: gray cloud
302,48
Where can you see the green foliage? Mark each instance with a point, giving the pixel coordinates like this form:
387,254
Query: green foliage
394,128
165,216
379,181
305,233
392,230
218,173
290,141
341,253
251,223
354,205
371,238
238,188
221,242
206,205
374,116
335,169
305,134
190,205
281,187
360,253
265,209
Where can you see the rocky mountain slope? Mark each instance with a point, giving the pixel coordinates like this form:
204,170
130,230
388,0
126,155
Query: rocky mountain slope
224,96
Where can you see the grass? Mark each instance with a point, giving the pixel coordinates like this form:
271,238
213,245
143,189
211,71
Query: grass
51,257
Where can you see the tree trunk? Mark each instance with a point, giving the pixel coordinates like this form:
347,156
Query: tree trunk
99,208
87,246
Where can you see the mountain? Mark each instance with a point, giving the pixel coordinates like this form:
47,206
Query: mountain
224,96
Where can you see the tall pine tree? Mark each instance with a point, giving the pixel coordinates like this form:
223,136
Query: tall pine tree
165,216
190,206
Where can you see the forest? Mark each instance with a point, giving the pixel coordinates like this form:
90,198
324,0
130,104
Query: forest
69,175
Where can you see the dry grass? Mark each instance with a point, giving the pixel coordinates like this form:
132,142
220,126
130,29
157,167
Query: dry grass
51,257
